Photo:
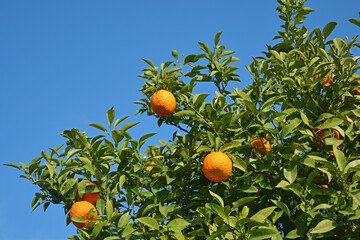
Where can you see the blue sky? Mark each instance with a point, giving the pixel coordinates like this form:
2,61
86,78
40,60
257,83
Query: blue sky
63,64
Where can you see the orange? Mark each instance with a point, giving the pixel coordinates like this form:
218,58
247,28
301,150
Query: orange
261,145
89,197
324,186
163,102
217,166
82,209
320,134
327,80
149,168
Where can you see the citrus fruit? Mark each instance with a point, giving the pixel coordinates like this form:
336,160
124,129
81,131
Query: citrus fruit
327,80
320,134
217,166
149,168
324,186
90,197
163,102
261,145
82,209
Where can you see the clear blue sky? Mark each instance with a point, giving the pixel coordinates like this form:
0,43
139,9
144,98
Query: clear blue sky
64,63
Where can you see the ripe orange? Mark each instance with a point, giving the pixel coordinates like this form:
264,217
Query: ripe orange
82,209
149,168
163,102
89,197
261,145
324,186
320,134
217,166
327,80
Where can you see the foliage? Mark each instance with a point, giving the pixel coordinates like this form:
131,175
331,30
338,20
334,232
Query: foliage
266,196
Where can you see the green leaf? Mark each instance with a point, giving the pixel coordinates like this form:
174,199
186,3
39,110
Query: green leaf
323,54
12,165
240,164
119,121
110,116
323,227
97,229
231,145
304,118
247,100
124,220
352,167
263,233
290,172
128,126
192,58
355,21
149,62
198,99
205,48
218,198
98,126
217,38
100,205
122,180
185,113
248,188
112,238
217,209
276,55
51,169
328,29
339,44
165,210
272,100
291,127
78,219
293,234
177,224
340,158
143,138
243,201
84,160
46,156
283,207
150,222
109,209
331,123
91,213
262,215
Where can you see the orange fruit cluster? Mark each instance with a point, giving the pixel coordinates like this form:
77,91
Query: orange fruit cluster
163,102
320,134
149,168
327,80
217,166
83,206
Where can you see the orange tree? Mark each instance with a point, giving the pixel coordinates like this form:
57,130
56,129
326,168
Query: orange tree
286,180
